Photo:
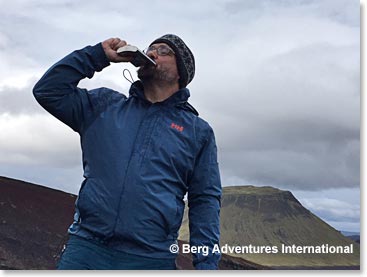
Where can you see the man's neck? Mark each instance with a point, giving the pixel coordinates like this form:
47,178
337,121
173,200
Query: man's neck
158,92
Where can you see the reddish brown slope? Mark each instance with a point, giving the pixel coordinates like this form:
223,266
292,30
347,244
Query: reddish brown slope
34,221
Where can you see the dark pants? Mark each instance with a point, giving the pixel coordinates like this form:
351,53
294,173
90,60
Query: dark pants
84,254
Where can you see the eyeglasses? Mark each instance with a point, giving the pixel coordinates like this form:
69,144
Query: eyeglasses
162,50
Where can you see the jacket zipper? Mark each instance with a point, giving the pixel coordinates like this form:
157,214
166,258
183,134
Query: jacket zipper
128,166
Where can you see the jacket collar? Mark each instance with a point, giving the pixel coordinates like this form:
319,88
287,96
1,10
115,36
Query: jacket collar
180,96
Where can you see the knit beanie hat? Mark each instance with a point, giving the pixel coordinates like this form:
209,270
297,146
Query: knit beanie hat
184,57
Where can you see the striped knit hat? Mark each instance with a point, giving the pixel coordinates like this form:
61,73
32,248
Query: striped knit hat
184,57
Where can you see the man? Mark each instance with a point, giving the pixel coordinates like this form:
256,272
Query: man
141,154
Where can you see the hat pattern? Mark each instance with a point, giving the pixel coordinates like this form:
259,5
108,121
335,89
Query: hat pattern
184,57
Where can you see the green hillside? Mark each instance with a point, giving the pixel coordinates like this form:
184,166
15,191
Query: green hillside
266,216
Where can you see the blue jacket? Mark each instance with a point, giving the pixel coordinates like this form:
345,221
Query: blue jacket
139,161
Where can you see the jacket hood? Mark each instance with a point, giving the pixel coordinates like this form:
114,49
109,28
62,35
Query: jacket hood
180,96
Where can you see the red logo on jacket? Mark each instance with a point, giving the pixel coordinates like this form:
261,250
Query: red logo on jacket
177,127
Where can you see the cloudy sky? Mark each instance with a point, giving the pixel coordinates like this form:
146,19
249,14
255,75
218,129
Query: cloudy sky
278,80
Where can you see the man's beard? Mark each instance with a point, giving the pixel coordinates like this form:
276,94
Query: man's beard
150,73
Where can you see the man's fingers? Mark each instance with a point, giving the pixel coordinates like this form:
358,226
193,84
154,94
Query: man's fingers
121,43
117,43
110,47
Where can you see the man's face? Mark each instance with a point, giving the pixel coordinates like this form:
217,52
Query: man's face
165,70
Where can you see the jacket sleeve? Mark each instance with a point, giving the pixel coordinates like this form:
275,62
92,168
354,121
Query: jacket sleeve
57,90
204,196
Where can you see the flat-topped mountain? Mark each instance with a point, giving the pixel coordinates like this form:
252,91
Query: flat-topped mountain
34,220
269,217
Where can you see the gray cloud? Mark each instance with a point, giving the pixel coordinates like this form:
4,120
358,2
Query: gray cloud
65,179
335,10
37,140
278,80
338,207
293,120
333,209
18,100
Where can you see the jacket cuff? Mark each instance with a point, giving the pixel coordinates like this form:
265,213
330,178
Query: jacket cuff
100,59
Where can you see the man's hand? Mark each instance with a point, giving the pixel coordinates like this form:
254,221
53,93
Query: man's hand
110,47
